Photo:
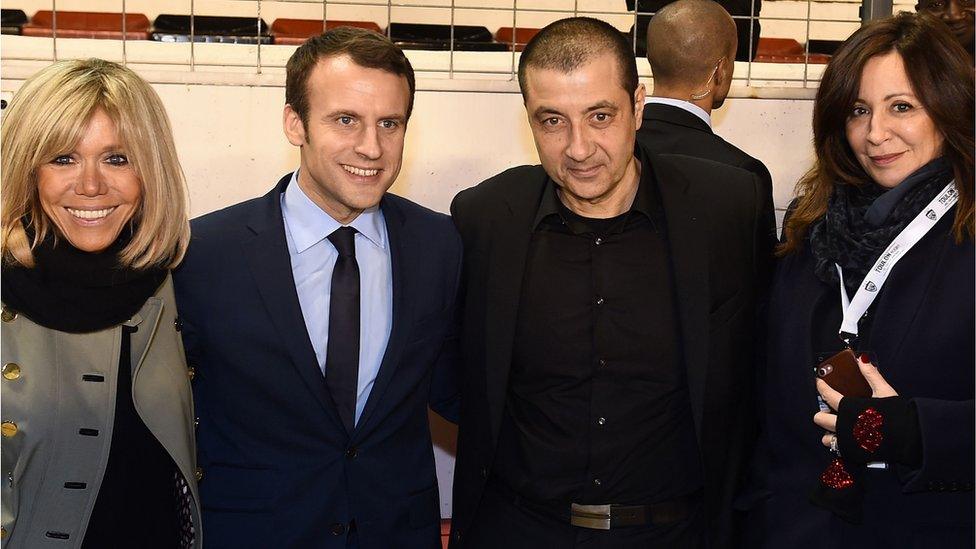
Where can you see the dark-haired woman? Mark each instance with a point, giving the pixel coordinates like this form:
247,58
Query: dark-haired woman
878,256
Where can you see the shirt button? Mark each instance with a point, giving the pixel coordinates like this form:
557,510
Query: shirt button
601,421
8,315
11,371
599,301
596,482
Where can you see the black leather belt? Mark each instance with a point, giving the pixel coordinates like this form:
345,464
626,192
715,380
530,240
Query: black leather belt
607,516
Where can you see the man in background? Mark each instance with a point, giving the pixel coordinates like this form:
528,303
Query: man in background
747,23
691,50
958,15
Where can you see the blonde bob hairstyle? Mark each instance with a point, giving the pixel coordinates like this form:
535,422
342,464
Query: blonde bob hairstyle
47,117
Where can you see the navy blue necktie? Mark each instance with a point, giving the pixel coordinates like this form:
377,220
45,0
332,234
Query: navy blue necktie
342,351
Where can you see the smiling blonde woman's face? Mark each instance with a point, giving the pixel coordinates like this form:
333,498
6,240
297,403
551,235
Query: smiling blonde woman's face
91,192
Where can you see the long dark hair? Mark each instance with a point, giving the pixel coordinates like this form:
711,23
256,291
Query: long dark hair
942,77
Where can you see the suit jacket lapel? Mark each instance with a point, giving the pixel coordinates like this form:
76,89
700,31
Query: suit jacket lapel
689,259
270,263
402,306
506,262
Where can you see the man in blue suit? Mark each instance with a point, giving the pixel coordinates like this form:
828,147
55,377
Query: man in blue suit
319,319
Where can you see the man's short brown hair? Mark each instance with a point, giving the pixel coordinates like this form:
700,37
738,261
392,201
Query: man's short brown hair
366,48
568,44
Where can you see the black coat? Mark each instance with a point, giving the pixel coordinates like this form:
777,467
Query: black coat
715,264
279,468
670,129
921,332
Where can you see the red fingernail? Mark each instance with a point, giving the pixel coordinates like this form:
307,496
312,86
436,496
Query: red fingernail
865,358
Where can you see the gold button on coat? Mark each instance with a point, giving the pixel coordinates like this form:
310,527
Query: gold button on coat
3,532
7,315
8,428
198,474
192,372
11,370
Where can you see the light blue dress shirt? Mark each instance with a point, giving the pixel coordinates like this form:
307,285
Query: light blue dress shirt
686,105
313,257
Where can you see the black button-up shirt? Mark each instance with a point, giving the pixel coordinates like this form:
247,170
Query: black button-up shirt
597,409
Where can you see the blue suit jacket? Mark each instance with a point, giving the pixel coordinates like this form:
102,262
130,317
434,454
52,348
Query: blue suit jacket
279,469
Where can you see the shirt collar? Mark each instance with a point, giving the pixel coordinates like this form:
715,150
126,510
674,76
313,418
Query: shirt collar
643,200
308,224
685,105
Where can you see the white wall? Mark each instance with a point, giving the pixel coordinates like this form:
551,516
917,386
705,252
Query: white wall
232,147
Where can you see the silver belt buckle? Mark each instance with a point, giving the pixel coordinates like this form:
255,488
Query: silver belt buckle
596,517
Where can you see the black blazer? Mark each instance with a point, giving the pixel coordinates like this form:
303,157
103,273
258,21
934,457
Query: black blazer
715,260
279,469
670,129
921,332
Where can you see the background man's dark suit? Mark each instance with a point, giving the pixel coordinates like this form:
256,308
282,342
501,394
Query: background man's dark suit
279,469
670,129
715,260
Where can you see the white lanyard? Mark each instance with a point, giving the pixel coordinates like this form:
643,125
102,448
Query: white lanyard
875,279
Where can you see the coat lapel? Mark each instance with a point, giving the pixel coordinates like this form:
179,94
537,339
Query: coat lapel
402,307
145,322
689,260
506,264
270,264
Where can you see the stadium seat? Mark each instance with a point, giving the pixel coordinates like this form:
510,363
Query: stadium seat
786,50
88,24
209,28
11,21
296,31
520,37
420,36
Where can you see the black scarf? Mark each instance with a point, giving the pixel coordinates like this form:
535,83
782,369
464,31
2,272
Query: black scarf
861,221
74,291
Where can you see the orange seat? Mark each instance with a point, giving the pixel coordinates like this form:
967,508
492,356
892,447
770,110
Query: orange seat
786,50
296,31
88,24
520,36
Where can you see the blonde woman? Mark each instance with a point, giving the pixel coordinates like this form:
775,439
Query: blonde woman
97,445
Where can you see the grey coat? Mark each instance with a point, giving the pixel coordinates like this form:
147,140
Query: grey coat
58,407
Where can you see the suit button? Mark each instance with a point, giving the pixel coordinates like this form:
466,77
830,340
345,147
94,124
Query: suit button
352,452
338,529
178,324
3,532
198,474
457,535
8,315
191,372
8,428
11,371
484,472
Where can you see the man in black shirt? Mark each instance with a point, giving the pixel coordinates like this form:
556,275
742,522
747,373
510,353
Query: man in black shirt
608,316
